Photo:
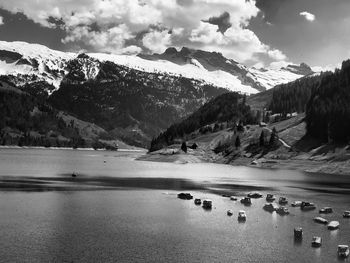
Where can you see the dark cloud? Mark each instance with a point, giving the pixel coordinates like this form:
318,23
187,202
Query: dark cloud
19,28
270,8
222,21
56,22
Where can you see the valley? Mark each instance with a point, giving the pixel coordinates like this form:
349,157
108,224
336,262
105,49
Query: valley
125,100
117,101
279,133
174,131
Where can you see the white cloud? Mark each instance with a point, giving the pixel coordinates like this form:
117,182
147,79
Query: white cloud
157,41
276,54
1,20
308,16
131,50
111,40
279,64
177,23
238,43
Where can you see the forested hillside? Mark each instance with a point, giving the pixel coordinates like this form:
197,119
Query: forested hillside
328,109
26,119
230,107
293,96
130,104
117,102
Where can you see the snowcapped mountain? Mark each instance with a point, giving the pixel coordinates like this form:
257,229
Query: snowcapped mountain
215,68
34,62
21,58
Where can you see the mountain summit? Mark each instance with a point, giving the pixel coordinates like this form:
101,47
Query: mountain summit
216,63
29,61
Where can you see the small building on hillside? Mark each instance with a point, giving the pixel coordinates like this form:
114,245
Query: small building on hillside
194,146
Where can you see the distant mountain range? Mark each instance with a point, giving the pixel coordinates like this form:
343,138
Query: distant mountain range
131,98
21,59
217,66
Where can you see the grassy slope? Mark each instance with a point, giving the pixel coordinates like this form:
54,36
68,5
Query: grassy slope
305,154
90,131
312,157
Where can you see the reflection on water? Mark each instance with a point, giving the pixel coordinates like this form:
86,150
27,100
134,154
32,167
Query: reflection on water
333,234
318,251
298,241
274,217
56,218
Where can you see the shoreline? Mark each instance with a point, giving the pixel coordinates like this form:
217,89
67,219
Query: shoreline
70,148
298,164
174,155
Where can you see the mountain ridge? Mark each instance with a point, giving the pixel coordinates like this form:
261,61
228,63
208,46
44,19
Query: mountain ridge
213,61
132,98
42,63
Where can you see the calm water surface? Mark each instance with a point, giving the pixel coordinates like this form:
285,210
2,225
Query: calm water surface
122,210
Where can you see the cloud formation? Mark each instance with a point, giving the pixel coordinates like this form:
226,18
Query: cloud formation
1,20
157,41
308,16
222,21
132,26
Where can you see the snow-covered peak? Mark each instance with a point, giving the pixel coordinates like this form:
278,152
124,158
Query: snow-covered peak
211,62
269,78
35,50
192,70
83,68
21,58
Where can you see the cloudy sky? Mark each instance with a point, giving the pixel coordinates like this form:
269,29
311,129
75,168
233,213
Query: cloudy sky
260,32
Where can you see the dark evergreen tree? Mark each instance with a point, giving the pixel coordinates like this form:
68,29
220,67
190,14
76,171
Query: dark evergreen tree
273,137
240,127
262,139
184,147
238,142
293,96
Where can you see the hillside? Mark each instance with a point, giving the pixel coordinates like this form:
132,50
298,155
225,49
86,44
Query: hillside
133,105
27,119
133,98
228,108
328,109
308,129
292,150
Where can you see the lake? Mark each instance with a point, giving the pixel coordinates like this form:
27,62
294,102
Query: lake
119,209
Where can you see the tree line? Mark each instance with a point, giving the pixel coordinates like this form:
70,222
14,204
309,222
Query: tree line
229,107
293,96
328,109
324,98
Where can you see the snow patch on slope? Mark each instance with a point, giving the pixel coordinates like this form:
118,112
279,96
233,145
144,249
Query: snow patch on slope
218,78
270,78
35,50
47,64
51,66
